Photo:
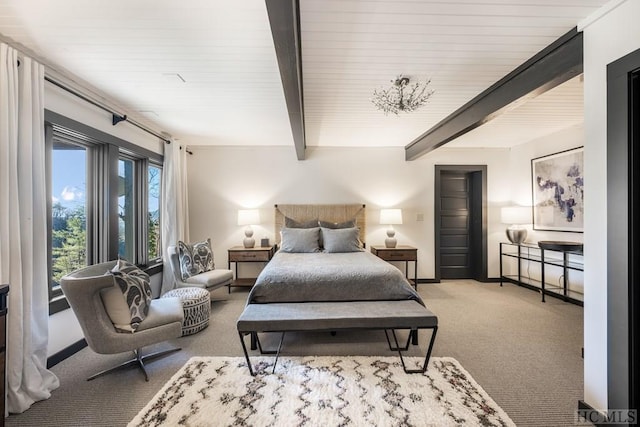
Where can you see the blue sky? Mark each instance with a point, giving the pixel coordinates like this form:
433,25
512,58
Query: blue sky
69,178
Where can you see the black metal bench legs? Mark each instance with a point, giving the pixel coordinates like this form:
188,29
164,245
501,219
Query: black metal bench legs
412,336
256,340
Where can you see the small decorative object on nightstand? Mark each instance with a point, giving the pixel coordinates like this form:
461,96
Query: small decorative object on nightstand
241,254
390,217
248,217
401,253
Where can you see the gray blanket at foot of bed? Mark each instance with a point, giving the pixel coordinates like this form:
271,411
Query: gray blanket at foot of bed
323,277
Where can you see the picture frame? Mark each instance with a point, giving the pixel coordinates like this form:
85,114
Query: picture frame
558,191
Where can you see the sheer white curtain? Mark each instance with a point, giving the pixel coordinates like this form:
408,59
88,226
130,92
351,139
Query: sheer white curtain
23,229
175,213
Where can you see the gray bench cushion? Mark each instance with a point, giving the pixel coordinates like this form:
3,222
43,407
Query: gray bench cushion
313,316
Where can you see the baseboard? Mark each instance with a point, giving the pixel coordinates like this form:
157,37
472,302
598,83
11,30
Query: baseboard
54,359
487,280
427,281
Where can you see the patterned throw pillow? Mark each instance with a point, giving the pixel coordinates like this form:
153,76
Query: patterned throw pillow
137,294
195,258
133,291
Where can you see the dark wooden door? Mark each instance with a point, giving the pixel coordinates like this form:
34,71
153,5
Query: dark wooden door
623,232
455,225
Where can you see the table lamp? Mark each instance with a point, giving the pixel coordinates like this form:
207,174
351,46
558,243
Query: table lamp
516,217
390,217
248,217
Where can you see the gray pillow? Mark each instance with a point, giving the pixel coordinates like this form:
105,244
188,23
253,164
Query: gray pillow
302,240
292,223
327,224
341,240
347,224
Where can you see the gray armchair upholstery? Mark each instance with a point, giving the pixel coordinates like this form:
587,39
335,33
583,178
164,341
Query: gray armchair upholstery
209,280
163,322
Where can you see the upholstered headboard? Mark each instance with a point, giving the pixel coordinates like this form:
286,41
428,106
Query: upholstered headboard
332,213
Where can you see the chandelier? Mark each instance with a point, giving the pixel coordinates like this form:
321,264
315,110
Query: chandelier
402,96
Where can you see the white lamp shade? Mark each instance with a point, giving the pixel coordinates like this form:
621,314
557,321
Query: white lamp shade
248,217
515,215
390,216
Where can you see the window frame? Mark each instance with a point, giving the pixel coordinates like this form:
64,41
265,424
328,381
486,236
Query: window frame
148,163
103,154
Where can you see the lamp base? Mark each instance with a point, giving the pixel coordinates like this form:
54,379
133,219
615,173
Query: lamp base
249,242
516,235
390,241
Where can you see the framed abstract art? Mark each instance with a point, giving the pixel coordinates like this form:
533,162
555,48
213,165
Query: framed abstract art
558,191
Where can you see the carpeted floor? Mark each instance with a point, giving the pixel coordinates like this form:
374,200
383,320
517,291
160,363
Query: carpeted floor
524,353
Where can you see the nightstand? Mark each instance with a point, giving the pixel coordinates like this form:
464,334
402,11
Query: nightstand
400,253
241,254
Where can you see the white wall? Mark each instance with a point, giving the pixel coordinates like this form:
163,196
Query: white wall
222,180
64,329
605,40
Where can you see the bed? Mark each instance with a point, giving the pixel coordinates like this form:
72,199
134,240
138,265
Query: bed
323,279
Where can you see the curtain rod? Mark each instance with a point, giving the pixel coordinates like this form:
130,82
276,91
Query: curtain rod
116,118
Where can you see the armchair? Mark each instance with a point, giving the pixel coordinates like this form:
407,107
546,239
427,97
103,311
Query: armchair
209,280
83,291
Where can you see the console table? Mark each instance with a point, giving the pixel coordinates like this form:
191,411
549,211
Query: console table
561,261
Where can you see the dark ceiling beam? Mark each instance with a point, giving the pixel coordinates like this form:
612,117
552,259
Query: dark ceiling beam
554,65
284,18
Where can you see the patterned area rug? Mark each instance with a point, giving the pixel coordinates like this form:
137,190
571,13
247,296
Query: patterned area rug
322,391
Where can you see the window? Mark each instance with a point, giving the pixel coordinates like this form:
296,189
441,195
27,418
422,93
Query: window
104,201
154,248
126,209
68,211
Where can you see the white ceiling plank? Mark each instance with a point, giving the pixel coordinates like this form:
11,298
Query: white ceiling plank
233,92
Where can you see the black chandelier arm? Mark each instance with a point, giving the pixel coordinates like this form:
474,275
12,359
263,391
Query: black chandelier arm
395,99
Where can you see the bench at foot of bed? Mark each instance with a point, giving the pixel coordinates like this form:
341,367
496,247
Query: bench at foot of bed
333,316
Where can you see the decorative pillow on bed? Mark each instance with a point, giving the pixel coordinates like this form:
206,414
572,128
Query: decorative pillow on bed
195,258
292,223
341,240
335,225
302,240
127,302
